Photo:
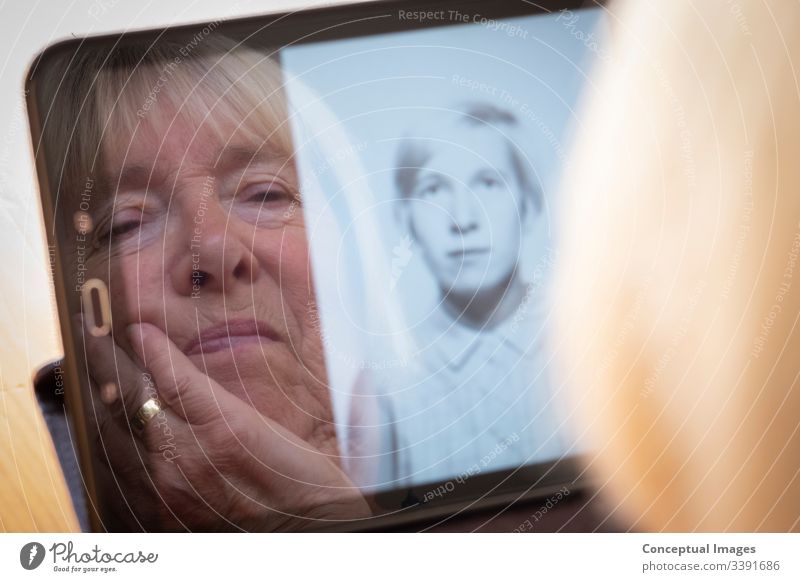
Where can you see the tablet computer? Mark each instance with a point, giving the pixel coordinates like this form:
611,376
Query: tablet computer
302,261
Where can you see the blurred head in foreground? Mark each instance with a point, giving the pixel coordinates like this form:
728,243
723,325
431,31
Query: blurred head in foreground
679,285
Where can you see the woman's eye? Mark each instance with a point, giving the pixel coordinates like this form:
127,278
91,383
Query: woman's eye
122,224
431,189
489,182
125,227
268,194
268,204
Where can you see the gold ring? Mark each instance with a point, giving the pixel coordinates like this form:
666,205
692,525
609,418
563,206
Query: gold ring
146,413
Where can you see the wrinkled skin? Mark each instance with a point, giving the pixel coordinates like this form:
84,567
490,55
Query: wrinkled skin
209,236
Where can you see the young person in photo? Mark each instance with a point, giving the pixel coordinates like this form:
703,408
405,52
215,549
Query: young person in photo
476,396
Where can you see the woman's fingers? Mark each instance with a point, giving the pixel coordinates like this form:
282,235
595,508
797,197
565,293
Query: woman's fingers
182,387
243,469
123,386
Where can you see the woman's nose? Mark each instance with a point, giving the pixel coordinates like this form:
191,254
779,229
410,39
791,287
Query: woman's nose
217,256
463,212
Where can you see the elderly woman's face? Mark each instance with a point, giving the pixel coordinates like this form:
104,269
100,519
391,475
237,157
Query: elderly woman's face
207,242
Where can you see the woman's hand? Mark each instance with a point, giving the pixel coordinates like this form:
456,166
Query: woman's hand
207,460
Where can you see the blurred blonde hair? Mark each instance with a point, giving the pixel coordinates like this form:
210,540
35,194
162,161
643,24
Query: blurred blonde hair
679,286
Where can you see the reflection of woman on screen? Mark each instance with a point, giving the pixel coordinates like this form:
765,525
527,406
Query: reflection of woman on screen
211,407
477,387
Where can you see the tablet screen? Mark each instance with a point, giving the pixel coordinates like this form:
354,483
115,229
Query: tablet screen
303,264
429,162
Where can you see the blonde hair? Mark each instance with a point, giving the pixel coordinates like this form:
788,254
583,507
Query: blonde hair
679,286
416,150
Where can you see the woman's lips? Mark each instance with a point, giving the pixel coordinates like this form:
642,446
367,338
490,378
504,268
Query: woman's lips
229,335
468,253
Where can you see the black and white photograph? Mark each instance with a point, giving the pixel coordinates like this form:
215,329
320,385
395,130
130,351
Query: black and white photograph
445,151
